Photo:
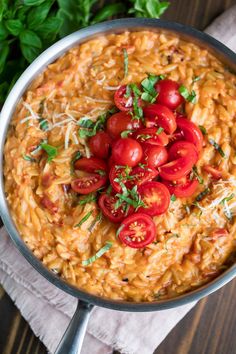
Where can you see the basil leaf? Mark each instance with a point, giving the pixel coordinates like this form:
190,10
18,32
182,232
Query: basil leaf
37,15
15,27
159,130
149,8
126,62
43,124
85,218
173,198
91,197
29,52
108,11
99,254
126,133
189,96
28,158
196,174
30,38
33,2
4,52
3,31
49,29
201,195
85,122
3,8
196,78
217,147
203,129
51,151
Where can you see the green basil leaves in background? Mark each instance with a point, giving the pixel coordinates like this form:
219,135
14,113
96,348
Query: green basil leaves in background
27,27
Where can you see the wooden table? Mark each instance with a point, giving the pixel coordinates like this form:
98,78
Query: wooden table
209,327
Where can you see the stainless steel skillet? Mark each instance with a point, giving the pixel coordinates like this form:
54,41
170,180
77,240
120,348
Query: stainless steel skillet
72,341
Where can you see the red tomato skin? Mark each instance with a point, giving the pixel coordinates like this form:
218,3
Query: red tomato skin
142,175
168,93
148,227
183,148
219,232
162,197
184,190
100,144
155,139
127,152
90,165
106,203
190,132
159,115
176,169
122,103
121,121
154,156
88,184
213,171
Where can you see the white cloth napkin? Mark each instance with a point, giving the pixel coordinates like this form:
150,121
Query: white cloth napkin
48,310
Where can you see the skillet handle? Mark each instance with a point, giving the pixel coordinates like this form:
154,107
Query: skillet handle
72,340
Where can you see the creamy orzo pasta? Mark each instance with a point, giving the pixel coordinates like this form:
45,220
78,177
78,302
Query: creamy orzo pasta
50,138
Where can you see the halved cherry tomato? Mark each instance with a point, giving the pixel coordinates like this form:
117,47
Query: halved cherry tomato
121,121
90,165
100,145
140,175
127,152
107,204
213,171
183,190
183,148
158,115
168,93
124,104
151,136
176,169
137,230
190,132
154,156
121,173
156,198
88,184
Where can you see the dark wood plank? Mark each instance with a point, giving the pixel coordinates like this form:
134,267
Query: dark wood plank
209,327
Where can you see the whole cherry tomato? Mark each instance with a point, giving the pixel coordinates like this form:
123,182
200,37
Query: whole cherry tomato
121,121
127,152
100,144
168,93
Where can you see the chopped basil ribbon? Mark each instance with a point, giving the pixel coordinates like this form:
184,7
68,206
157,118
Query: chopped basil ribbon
150,94
138,111
43,124
101,172
201,195
91,197
119,230
173,198
89,128
189,96
76,157
50,150
159,130
130,196
85,218
227,211
227,199
126,62
125,133
28,158
203,129
196,78
217,147
99,254
196,174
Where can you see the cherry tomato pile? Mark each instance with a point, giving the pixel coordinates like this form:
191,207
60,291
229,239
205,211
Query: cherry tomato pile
140,163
